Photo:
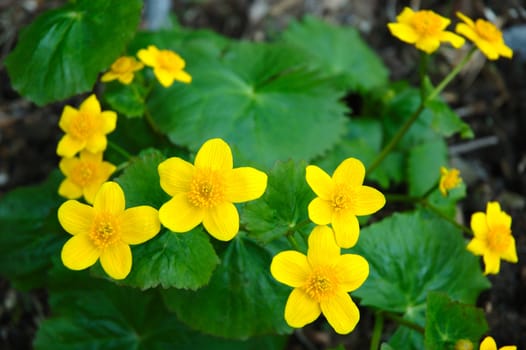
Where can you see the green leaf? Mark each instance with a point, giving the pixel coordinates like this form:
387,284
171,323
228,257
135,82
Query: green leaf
30,233
241,300
448,321
386,346
259,98
62,52
424,164
338,51
446,122
283,207
128,100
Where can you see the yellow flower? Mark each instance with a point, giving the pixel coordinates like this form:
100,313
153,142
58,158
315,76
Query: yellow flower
84,175
85,128
425,29
123,70
485,36
205,192
463,344
167,65
449,179
105,231
493,239
342,198
321,282
489,344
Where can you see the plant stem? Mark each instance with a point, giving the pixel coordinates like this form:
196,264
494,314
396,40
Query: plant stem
119,150
438,212
403,322
377,330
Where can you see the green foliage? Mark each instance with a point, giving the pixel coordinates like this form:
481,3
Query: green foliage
424,164
62,52
128,100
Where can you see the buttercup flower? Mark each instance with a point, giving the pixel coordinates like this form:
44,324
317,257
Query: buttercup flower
342,198
321,282
105,231
489,344
205,192
449,179
485,35
84,175
425,29
167,65
123,69
85,128
493,239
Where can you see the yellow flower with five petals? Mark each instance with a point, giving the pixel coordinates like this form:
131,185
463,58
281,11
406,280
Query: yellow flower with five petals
489,344
425,29
167,65
123,70
85,128
322,281
493,239
207,190
449,179
105,231
341,199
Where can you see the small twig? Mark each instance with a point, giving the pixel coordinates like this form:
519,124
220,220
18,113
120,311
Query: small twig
474,145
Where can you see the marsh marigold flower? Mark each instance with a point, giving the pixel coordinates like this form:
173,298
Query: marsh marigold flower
123,70
105,231
425,29
85,128
341,199
321,282
493,239
84,175
489,344
485,35
167,65
449,179
207,190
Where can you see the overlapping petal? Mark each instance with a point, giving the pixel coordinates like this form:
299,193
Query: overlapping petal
166,78
353,270
176,175
222,221
148,56
116,260
495,217
69,189
75,217
477,246
244,184
491,263
300,309
79,252
341,312
404,32
291,268
178,215
214,154
322,246
97,143
346,229
109,199
479,225
139,224
68,146
320,211
510,254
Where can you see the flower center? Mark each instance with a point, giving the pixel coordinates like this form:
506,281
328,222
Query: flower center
83,173
206,189
105,230
342,198
451,179
321,283
499,239
82,126
488,31
426,23
169,61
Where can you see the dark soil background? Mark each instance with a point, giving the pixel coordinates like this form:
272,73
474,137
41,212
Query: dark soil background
490,96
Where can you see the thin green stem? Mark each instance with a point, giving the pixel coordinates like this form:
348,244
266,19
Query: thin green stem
422,70
438,212
403,322
119,150
377,330
293,242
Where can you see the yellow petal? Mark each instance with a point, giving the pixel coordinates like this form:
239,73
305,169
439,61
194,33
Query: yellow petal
352,270
165,77
404,32
341,312
505,51
467,31
69,146
479,225
116,260
320,211
69,189
178,215
126,78
68,115
79,253
75,217
491,263
108,76
214,154
149,56
367,200
66,165
322,247
97,143
346,229
301,309
139,224
319,181
182,76
176,175
455,40
488,49
466,19
488,344
290,268
508,347
90,105
245,184
428,45
109,121
90,191
109,199
406,15
511,252
477,246
222,221
351,172
496,217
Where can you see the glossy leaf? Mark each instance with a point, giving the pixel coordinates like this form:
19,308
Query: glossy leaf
424,164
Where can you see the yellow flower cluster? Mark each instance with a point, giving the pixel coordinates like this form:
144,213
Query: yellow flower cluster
426,30
489,344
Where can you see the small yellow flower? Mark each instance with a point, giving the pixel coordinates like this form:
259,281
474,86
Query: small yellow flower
342,198
167,65
85,128
84,175
493,239
105,231
449,179
425,29
205,192
485,35
321,282
464,344
489,344
122,69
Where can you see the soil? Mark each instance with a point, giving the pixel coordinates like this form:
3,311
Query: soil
490,96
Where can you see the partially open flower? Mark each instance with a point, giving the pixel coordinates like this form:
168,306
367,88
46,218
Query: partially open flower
123,70
449,179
